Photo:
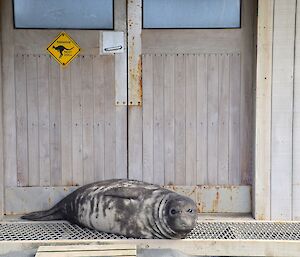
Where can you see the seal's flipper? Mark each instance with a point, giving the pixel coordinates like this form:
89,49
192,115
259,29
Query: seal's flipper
52,214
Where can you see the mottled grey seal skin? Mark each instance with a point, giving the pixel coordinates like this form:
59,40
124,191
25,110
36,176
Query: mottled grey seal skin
126,207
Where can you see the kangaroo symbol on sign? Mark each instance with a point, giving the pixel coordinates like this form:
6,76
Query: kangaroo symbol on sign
61,49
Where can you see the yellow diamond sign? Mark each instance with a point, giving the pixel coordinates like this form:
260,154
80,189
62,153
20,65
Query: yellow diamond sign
64,49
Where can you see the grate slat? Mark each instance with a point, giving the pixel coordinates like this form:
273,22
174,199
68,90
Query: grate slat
20,231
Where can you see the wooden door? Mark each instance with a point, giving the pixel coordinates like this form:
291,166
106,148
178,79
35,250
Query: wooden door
198,104
62,126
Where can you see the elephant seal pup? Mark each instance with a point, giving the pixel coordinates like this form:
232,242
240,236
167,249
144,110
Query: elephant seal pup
126,207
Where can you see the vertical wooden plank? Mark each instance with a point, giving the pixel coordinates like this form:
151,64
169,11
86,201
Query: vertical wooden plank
135,115
33,120
121,142
202,172
121,92
2,178
148,175
55,144
158,119
135,139
179,88
296,123
212,118
134,21
223,160
88,117
261,192
282,109
66,126
247,122
21,120
110,119
77,151
120,24
44,116
234,119
169,119
99,117
191,120
9,107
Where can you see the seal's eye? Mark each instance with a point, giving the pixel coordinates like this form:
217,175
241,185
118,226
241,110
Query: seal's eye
190,210
173,211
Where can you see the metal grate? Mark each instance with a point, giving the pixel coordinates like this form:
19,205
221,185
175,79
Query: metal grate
18,231
246,231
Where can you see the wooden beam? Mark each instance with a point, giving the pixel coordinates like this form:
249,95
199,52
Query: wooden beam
1,132
121,59
282,109
135,121
87,250
9,95
121,92
186,246
261,192
134,21
296,123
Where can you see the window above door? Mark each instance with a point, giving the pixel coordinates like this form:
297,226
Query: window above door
168,14
63,14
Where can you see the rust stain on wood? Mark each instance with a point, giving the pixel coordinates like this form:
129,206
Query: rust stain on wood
200,207
134,53
135,75
216,202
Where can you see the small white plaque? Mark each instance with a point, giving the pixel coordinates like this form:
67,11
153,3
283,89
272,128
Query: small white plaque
112,42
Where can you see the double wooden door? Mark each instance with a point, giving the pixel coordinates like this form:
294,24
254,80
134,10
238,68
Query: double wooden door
64,127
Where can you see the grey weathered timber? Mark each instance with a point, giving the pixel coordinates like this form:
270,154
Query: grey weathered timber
185,247
282,110
296,123
206,78
61,127
1,136
190,145
261,192
135,122
210,199
87,250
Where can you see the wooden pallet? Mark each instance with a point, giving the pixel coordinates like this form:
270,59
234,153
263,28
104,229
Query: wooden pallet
121,250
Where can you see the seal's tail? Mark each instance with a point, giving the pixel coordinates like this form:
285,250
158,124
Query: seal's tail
52,214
